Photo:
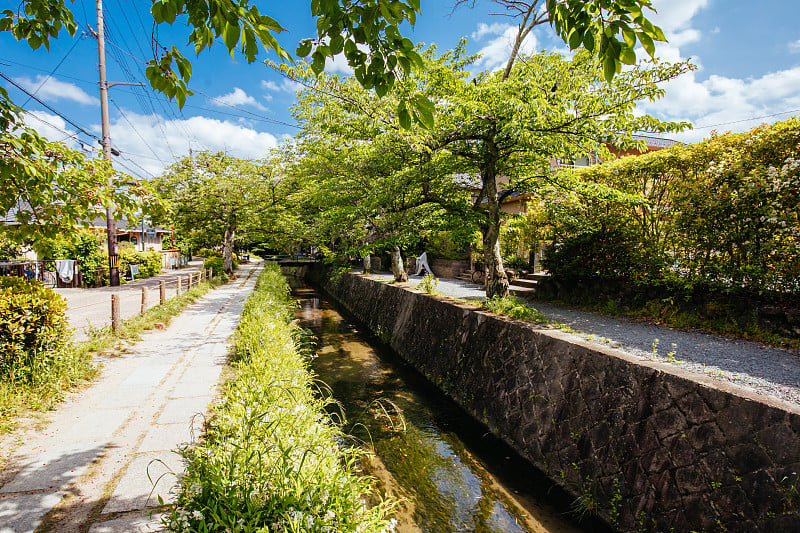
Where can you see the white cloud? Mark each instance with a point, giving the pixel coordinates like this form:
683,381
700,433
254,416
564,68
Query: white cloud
237,98
730,103
52,89
496,53
794,47
675,16
286,85
53,127
171,139
497,28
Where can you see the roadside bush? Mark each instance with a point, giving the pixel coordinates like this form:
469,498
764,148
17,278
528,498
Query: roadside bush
518,263
149,262
216,265
603,254
33,330
513,307
208,252
272,458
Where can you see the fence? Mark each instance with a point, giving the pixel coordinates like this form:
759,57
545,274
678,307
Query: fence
128,303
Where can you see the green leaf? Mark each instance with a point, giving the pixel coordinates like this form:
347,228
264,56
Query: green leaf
630,36
231,36
180,98
628,56
336,44
575,39
609,68
424,113
588,41
647,43
403,116
318,62
304,48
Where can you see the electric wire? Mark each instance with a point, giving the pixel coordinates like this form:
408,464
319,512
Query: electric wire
136,131
53,71
15,84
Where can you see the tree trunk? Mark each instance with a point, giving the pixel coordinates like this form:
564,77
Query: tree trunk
496,279
367,264
227,250
400,274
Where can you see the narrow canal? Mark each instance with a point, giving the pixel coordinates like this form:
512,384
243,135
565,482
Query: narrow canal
451,474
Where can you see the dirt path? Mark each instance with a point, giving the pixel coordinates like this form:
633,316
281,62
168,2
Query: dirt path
106,456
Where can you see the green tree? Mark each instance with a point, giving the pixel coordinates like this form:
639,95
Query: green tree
216,197
48,188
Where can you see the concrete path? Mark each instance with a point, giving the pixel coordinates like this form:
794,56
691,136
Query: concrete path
106,455
91,308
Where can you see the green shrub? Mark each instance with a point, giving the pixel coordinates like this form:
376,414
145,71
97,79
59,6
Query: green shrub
518,263
513,307
33,329
272,458
216,265
208,252
149,262
428,284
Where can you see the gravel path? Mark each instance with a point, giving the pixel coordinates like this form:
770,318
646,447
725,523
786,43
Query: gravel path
769,371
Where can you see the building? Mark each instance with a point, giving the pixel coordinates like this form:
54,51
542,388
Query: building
515,204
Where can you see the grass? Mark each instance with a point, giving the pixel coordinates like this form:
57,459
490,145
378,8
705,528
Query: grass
513,307
272,458
76,362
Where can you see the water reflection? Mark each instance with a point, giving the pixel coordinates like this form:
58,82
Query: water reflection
418,456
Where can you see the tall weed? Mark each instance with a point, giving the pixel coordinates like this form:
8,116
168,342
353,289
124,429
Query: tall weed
271,456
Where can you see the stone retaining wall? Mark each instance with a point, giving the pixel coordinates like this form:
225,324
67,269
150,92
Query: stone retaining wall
649,447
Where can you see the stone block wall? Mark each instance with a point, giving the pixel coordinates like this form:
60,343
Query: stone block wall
650,448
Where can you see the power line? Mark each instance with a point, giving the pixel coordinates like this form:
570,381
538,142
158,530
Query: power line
53,71
262,117
124,116
746,119
15,84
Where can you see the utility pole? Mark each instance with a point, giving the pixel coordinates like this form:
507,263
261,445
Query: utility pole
111,224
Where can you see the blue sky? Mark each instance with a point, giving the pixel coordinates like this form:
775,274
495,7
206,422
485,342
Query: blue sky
748,56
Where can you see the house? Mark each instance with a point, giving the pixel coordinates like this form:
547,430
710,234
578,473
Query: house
515,204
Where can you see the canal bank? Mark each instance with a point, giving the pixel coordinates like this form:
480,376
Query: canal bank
647,446
449,472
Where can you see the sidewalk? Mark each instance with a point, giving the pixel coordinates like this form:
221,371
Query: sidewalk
94,466
92,307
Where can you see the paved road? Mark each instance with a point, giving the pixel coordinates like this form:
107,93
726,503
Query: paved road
92,307
769,371
92,465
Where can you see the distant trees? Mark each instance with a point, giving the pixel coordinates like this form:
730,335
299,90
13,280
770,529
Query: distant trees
213,198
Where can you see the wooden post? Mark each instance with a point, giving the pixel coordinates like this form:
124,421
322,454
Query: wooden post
201,279
162,291
115,314
210,274
144,300
177,285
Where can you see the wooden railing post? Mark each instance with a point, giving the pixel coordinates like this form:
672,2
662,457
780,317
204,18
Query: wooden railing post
162,291
115,314
144,300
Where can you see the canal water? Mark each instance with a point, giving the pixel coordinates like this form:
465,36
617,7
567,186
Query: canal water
449,472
